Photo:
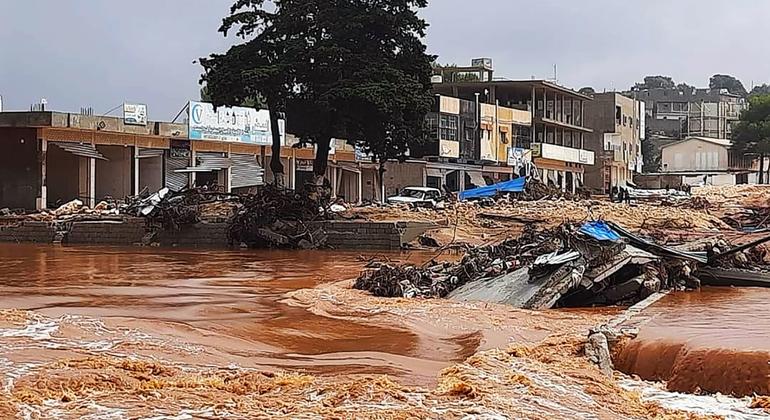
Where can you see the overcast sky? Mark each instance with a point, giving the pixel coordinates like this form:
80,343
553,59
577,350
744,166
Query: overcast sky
100,53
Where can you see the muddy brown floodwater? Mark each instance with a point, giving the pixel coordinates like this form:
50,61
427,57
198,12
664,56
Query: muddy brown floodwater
713,340
226,303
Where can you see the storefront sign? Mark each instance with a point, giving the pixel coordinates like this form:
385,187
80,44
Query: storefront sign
304,165
235,124
135,114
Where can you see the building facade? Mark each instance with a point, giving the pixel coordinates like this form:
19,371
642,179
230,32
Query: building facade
705,160
557,131
683,112
618,129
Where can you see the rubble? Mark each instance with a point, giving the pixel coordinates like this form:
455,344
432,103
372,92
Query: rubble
596,263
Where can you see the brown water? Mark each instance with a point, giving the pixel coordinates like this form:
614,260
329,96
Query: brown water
228,305
714,340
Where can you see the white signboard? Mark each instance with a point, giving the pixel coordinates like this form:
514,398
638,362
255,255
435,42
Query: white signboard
235,124
135,114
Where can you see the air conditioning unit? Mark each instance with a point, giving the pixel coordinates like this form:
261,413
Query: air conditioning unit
437,78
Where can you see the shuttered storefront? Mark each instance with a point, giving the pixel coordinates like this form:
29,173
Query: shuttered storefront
245,171
175,181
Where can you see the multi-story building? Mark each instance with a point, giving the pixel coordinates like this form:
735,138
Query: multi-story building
618,129
682,112
557,133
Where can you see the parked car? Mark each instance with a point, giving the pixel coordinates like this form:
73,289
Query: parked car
419,197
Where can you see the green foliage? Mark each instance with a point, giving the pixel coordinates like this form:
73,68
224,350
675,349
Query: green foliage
762,89
656,82
752,133
340,68
651,156
724,81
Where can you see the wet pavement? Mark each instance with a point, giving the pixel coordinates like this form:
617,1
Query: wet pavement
713,340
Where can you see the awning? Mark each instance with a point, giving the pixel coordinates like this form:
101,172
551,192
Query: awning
514,185
477,179
436,173
85,150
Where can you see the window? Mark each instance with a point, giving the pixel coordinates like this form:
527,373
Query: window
625,120
504,137
448,127
618,114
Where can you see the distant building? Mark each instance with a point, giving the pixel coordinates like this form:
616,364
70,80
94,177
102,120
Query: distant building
534,117
618,128
704,160
680,113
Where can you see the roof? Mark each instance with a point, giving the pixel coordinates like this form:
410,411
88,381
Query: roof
719,142
524,86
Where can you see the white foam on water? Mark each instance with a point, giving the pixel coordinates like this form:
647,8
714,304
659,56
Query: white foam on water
730,408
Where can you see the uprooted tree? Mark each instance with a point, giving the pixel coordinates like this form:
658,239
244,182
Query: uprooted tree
752,133
339,68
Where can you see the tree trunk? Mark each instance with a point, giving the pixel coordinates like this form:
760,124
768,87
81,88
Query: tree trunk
276,166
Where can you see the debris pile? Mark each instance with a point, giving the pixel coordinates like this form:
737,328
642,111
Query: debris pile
274,218
596,263
174,210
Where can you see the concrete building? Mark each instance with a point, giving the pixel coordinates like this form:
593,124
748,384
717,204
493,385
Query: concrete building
616,140
680,113
48,158
557,133
704,160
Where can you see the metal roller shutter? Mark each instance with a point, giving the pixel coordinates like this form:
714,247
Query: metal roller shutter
245,171
150,153
176,181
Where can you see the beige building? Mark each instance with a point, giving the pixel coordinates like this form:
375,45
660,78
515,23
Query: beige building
704,160
616,140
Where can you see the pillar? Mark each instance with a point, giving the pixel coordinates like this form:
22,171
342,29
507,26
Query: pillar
461,182
191,175
545,176
42,200
136,170
360,185
334,181
563,181
229,176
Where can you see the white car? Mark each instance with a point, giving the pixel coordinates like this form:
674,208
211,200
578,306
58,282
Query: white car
418,197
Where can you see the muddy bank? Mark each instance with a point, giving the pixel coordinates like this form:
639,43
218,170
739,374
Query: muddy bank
707,341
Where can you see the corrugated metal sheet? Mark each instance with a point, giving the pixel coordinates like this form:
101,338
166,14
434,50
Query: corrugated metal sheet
245,171
150,153
86,150
207,162
175,180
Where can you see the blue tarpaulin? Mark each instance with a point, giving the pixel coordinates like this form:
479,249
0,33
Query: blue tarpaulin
514,185
600,230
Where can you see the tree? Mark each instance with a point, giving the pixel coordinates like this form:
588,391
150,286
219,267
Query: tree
335,66
656,82
724,81
588,90
254,71
651,156
752,133
684,87
762,89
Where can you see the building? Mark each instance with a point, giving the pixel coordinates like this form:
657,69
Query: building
48,158
683,112
705,160
556,131
616,140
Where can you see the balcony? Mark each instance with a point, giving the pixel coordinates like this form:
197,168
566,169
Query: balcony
561,153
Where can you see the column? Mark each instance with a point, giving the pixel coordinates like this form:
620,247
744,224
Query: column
42,200
334,181
191,175
545,176
229,176
461,182
136,170
563,181
360,185
92,182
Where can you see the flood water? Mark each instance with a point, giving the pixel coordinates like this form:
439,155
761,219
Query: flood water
713,340
227,303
